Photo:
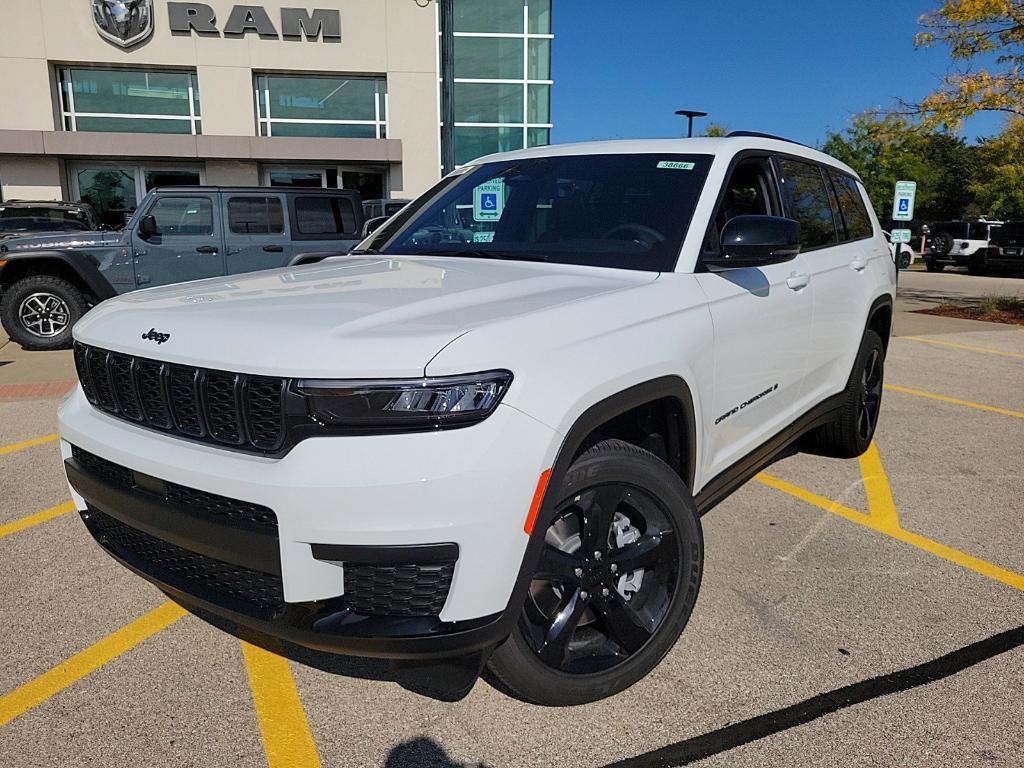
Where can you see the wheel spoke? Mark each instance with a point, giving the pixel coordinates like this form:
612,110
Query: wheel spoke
645,552
621,622
555,646
598,513
556,565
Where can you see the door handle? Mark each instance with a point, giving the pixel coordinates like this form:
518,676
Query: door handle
859,265
798,280
207,249
273,248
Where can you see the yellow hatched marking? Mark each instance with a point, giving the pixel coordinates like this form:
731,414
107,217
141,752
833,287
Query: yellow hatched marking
883,523
955,401
35,519
50,683
968,347
881,506
14,447
287,741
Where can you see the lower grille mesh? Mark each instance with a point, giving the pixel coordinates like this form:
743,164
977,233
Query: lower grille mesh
253,588
398,590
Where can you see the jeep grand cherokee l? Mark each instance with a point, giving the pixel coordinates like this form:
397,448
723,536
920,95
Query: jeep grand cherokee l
490,433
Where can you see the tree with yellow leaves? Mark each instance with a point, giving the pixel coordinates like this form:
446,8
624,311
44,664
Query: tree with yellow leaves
987,38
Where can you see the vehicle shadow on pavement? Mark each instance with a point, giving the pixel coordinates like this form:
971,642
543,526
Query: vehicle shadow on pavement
423,752
738,734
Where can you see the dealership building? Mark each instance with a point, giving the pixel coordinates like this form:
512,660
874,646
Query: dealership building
106,99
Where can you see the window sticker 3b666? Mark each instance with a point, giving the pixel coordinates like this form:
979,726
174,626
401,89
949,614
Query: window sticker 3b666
743,405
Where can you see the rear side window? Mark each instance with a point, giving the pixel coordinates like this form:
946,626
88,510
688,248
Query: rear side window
255,216
324,215
851,205
806,199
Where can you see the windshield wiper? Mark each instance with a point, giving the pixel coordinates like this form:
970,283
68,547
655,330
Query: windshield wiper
481,254
365,252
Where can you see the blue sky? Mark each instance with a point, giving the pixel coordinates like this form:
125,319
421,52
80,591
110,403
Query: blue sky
796,68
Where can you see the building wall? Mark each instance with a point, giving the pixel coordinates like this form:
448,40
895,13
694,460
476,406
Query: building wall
31,178
396,38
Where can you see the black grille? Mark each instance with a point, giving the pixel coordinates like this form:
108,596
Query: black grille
195,500
398,590
210,578
212,406
103,469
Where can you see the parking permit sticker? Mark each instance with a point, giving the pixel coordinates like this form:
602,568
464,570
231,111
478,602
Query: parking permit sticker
675,165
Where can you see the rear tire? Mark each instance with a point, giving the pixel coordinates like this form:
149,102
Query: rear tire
616,583
39,311
931,266
850,434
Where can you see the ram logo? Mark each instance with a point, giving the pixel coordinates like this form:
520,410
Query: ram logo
123,22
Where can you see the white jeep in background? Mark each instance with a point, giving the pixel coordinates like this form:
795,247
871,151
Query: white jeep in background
489,434
959,244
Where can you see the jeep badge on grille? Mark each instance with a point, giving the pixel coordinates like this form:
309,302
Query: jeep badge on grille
156,336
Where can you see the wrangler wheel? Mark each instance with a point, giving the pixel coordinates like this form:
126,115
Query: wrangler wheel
39,311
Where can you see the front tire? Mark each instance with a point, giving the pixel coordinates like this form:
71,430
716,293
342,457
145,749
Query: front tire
850,434
617,580
39,311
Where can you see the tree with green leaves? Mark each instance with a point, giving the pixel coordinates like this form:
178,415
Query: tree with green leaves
884,149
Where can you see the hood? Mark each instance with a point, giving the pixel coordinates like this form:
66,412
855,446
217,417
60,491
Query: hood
342,318
48,241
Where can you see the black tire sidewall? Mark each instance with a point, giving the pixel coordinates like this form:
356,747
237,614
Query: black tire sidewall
613,461
871,342
18,291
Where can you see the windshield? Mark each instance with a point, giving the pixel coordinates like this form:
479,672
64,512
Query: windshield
622,211
21,219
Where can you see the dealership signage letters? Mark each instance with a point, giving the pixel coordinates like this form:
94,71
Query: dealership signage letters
129,22
296,23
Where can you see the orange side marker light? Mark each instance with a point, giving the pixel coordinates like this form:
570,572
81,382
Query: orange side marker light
538,497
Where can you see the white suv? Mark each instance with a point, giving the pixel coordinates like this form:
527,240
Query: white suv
495,426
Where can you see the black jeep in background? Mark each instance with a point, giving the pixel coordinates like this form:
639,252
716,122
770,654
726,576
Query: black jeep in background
52,275
31,217
1006,250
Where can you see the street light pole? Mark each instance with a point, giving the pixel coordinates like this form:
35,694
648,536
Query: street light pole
689,114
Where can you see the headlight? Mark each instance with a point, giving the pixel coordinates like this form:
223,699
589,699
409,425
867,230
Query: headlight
406,404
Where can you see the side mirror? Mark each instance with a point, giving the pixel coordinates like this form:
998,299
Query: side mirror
372,225
755,241
147,227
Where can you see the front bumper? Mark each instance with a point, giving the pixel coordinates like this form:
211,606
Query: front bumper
339,503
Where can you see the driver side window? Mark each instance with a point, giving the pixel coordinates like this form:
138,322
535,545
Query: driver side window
747,193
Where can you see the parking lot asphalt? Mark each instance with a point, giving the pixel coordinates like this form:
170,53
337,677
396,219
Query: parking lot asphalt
864,612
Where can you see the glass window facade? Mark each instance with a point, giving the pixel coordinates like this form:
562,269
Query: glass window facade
130,100
502,76
333,107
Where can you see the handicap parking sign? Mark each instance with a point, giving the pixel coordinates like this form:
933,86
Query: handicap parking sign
489,201
904,205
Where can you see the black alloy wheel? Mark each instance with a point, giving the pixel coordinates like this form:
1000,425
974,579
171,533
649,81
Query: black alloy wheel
608,571
870,395
615,582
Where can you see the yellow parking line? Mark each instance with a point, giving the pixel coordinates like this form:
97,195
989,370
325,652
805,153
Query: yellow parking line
35,519
962,559
287,741
955,401
954,345
50,683
5,449
881,507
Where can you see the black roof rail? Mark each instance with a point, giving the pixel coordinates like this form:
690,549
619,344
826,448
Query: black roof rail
757,135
